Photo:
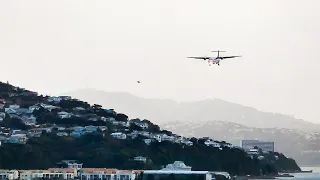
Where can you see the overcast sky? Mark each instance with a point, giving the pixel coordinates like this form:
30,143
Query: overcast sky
57,46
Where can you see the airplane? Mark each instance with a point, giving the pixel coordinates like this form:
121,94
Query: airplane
214,60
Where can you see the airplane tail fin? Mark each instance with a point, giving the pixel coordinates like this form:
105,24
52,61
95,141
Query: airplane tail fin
218,52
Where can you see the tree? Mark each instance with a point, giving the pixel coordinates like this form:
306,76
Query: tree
121,117
134,127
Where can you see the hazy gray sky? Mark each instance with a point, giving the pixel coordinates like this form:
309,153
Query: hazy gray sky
57,46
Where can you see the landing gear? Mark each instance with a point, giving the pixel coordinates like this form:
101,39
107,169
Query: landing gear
218,64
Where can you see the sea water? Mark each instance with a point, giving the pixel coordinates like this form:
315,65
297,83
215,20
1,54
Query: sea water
315,175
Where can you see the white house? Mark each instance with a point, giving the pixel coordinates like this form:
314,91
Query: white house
54,99
187,142
34,107
140,158
177,165
157,137
142,125
147,141
64,114
253,151
168,138
9,174
48,107
212,143
160,173
59,173
73,164
119,135
109,174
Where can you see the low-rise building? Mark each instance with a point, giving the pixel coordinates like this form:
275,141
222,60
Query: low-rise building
265,146
9,174
52,173
140,158
73,164
177,165
119,135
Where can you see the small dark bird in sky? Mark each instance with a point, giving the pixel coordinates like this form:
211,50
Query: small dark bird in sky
138,81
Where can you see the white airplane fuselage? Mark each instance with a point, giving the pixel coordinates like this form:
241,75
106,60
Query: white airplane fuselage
212,61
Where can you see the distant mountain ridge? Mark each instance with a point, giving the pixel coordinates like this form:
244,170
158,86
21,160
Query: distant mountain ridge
302,146
161,111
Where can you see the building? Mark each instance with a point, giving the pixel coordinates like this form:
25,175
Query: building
106,174
265,146
9,174
157,174
70,164
140,158
52,173
119,135
177,165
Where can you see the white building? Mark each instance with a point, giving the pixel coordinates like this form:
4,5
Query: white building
9,174
64,114
265,146
177,165
142,125
107,174
212,143
140,158
119,135
147,141
207,174
73,164
52,173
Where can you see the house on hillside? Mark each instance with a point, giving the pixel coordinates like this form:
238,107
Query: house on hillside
34,107
66,98
17,139
48,107
177,165
9,174
64,115
187,142
143,125
54,99
63,134
140,158
70,164
91,129
147,141
79,109
77,133
119,135
212,143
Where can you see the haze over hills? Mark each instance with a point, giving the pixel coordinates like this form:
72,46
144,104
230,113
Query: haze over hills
217,119
163,111
306,145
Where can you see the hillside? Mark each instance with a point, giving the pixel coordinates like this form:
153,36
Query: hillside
306,145
39,131
161,111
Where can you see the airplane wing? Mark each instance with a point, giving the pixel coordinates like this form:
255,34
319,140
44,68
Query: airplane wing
204,58
226,57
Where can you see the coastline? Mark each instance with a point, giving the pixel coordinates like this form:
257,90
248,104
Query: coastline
263,177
